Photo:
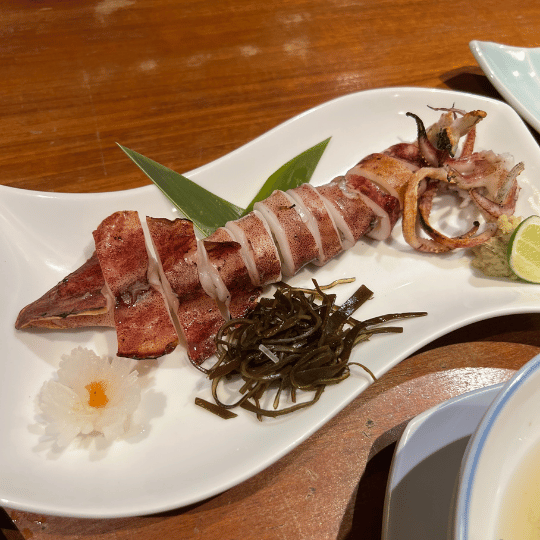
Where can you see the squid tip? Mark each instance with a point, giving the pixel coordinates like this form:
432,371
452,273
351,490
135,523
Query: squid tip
419,124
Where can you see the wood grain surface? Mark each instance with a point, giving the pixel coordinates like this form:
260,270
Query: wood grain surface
185,82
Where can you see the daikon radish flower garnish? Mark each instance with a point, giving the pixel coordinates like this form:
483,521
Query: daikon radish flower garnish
90,395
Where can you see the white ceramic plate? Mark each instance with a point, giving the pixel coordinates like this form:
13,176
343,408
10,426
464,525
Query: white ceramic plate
515,73
184,453
426,464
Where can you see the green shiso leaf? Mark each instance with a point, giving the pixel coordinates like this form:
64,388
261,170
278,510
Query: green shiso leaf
206,210
298,170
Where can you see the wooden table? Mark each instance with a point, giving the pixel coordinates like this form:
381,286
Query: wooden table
187,82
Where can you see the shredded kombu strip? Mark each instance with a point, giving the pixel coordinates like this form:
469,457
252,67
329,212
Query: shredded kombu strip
299,340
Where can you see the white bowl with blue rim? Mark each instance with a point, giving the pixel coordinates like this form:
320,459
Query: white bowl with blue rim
508,434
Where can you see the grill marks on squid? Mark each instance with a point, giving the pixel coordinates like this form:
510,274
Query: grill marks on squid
229,273
257,247
198,314
295,241
144,328
352,215
320,222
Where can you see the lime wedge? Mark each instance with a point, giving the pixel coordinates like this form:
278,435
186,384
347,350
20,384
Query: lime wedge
524,250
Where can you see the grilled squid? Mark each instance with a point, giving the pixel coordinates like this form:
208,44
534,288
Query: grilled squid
485,178
201,283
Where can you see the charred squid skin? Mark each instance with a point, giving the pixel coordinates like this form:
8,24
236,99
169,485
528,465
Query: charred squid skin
259,250
297,245
440,129
386,206
389,173
451,127
440,141
224,255
464,240
320,222
407,153
198,314
432,155
464,125
410,212
78,300
143,323
353,217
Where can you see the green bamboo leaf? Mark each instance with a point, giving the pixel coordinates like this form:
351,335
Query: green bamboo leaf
298,170
206,210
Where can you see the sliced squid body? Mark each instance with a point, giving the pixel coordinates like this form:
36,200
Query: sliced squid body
319,221
390,174
224,273
408,154
385,206
296,243
199,316
258,248
144,328
78,300
351,214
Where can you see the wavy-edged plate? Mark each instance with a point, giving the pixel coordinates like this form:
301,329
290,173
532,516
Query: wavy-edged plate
183,454
515,73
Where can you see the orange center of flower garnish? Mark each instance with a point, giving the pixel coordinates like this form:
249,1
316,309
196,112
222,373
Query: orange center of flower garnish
96,391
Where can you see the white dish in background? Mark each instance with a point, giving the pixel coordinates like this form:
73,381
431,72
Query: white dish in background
186,454
509,430
426,464
515,73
